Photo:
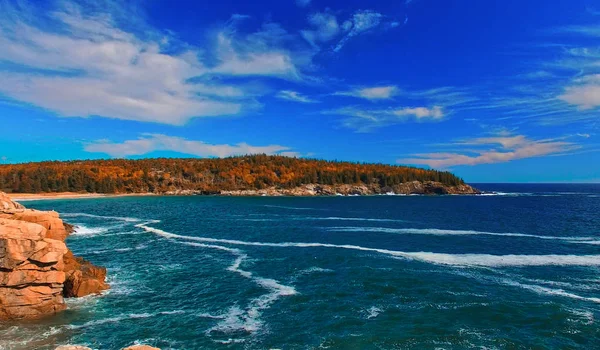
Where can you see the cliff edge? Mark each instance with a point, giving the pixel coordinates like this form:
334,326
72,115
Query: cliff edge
37,270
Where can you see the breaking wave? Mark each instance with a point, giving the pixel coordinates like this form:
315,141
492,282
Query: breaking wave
485,260
441,232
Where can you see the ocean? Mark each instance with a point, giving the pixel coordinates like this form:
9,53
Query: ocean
518,269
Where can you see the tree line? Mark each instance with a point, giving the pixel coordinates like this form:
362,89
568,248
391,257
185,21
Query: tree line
160,175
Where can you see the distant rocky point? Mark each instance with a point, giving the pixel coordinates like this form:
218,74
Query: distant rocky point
37,270
409,188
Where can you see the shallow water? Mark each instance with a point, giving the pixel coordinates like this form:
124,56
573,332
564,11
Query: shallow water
517,269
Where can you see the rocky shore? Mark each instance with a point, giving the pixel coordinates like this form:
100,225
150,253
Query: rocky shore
407,188
37,270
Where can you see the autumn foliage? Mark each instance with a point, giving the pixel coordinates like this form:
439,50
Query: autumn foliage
206,175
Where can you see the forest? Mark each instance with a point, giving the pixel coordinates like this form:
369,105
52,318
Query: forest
207,176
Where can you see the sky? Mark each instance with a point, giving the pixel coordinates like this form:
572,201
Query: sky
494,91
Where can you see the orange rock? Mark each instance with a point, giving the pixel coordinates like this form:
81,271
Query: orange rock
36,268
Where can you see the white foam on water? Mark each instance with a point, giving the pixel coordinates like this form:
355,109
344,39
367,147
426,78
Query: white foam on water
597,242
236,319
229,341
443,232
585,317
548,291
81,230
116,250
119,218
508,194
124,317
315,269
484,260
290,208
349,219
373,312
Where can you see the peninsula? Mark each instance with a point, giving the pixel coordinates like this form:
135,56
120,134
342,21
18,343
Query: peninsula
256,175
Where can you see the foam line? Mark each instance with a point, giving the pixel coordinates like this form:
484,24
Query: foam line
440,232
237,319
120,218
81,230
436,258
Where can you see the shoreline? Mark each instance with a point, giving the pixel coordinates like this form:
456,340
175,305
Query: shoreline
306,190
25,197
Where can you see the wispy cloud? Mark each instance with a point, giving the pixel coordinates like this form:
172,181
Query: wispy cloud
294,96
261,53
87,65
371,93
489,150
362,22
365,120
325,27
326,30
158,142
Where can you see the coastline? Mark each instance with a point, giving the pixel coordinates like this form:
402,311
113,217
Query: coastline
24,197
307,190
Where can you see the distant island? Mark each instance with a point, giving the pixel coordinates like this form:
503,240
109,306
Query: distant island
253,175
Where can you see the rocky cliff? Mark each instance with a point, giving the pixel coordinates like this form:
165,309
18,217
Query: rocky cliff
36,268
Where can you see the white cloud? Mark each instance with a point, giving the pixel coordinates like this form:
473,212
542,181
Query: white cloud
157,142
365,120
256,54
421,112
303,3
294,96
88,66
511,148
371,93
584,96
325,26
361,22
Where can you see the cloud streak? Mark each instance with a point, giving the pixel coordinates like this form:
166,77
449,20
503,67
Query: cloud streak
498,149
366,120
371,93
158,142
294,96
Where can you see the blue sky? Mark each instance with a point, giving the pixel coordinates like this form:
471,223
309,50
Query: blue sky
495,91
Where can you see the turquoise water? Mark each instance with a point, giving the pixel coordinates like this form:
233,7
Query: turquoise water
508,271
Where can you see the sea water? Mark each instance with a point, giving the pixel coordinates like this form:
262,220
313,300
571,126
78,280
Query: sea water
518,268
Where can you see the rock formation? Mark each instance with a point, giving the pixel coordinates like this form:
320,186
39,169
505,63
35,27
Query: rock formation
79,347
407,188
36,268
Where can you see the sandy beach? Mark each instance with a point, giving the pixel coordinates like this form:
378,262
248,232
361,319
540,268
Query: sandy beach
68,195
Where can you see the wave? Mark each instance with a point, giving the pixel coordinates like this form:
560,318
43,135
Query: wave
316,218
350,219
81,230
596,242
290,208
486,260
236,319
373,312
549,291
120,218
585,317
116,250
315,269
442,232
124,317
